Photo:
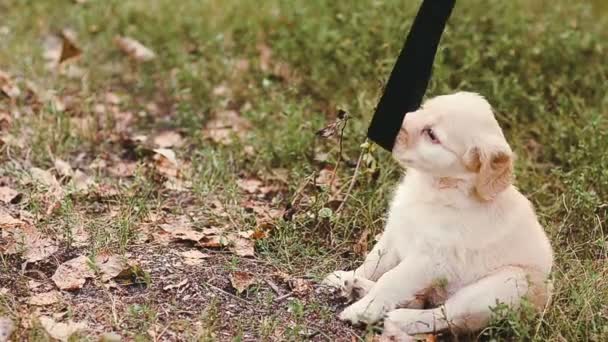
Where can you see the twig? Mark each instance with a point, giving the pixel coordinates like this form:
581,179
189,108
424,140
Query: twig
227,293
283,297
352,180
273,286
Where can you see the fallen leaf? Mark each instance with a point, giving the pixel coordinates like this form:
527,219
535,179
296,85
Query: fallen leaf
250,185
176,286
134,49
72,274
183,231
123,169
45,178
38,248
58,48
63,168
8,195
166,162
46,298
224,126
69,49
6,329
82,182
241,281
194,257
194,254
362,244
168,139
300,287
7,220
61,331
5,121
110,266
241,246
8,87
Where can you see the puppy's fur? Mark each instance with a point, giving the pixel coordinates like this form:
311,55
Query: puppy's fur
460,238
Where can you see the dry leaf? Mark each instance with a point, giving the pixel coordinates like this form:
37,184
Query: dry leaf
82,182
61,331
110,266
362,244
46,298
168,139
300,287
6,329
8,87
250,185
241,246
123,169
8,195
7,220
224,126
183,232
241,281
166,162
176,286
134,49
38,248
63,168
69,49
72,274
194,254
45,178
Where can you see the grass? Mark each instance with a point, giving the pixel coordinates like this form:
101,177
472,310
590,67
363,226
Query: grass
540,63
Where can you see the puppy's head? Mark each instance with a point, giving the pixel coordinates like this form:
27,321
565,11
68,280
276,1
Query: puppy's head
457,136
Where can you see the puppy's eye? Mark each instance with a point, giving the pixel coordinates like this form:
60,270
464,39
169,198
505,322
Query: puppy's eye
431,135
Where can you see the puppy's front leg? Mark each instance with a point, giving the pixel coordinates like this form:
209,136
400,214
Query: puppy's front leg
396,287
356,284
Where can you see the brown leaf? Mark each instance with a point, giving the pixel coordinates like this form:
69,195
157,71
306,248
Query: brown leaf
110,266
8,195
38,248
300,287
46,298
224,126
181,229
5,121
82,182
7,220
63,168
72,274
166,162
176,286
250,185
241,281
8,87
134,49
123,169
61,331
265,56
362,244
241,246
69,48
194,257
168,139
45,178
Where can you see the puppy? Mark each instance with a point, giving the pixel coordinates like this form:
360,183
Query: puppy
459,238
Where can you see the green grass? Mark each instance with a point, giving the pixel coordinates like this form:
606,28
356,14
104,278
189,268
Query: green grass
542,64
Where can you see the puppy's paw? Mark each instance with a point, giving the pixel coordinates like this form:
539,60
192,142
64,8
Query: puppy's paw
363,311
411,322
349,286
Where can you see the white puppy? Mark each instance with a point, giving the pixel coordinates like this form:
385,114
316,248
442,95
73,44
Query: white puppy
460,238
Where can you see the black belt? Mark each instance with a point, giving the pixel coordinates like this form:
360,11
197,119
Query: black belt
411,74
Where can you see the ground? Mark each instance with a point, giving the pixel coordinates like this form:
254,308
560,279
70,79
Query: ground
185,189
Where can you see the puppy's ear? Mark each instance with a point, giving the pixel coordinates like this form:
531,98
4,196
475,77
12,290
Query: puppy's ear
494,167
